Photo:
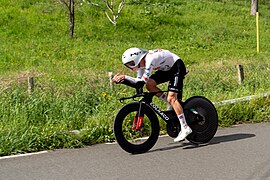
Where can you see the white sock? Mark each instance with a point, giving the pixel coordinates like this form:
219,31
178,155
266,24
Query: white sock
163,97
182,120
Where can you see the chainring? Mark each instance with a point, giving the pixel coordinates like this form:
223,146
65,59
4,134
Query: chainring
173,128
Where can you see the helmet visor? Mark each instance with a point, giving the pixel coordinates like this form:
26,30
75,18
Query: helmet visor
130,64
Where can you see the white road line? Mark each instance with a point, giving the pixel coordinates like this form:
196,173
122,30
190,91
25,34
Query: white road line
23,155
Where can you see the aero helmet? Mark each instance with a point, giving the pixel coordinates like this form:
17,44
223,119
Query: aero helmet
132,56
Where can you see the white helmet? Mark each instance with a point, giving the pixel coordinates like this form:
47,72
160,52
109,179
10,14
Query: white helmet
132,56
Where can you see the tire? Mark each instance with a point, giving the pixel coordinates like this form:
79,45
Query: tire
202,118
133,141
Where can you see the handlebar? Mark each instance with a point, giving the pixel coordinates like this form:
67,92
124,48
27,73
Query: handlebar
139,89
137,85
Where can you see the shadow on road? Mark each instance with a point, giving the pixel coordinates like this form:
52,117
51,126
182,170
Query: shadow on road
231,137
215,140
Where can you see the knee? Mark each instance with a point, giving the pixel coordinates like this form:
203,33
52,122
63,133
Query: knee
150,84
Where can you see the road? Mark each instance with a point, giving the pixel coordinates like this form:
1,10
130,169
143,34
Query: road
239,152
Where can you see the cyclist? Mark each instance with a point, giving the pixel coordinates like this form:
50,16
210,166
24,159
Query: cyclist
170,68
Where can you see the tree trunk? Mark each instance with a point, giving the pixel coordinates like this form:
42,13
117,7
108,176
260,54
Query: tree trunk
72,16
70,4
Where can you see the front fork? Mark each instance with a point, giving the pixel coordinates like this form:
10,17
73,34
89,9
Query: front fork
138,119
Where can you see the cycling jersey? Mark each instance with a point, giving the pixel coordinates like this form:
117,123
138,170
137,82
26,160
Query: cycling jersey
158,59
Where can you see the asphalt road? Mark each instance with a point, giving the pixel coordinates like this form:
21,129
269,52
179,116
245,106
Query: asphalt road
240,152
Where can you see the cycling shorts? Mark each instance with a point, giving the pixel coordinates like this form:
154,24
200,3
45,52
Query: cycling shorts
174,76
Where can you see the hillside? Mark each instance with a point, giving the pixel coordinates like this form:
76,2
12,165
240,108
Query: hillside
35,35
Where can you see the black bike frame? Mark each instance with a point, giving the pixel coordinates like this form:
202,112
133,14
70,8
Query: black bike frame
147,99
159,112
167,116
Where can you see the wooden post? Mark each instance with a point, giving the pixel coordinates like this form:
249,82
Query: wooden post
240,69
110,78
30,85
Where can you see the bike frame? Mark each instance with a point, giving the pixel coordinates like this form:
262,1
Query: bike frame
147,99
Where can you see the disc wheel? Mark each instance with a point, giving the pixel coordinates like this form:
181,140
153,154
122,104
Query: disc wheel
202,118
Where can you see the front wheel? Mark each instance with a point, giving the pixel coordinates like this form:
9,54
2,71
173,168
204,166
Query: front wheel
202,118
136,128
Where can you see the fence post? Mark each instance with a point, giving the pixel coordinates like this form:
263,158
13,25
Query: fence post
110,78
241,77
30,85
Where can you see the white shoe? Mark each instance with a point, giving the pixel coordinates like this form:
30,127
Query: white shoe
183,134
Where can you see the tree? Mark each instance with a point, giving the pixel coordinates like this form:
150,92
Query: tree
111,9
254,7
70,4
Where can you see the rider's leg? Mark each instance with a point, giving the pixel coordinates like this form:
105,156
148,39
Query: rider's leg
185,129
151,86
175,87
172,98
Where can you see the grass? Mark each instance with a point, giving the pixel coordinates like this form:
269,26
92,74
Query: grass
72,89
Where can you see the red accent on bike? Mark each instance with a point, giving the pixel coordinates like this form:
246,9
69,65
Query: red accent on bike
139,123
134,123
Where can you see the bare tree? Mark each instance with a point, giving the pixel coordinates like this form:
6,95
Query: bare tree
111,8
70,4
254,7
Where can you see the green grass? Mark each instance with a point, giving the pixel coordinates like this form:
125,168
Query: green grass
72,89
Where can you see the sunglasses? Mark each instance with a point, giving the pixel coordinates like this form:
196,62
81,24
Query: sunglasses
130,64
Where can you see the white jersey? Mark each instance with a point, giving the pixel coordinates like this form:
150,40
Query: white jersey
158,59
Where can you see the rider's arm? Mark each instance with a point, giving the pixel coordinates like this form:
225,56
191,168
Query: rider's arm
132,79
143,73
140,73
119,77
149,66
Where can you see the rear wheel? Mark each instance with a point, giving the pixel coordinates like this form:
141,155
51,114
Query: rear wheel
132,136
202,118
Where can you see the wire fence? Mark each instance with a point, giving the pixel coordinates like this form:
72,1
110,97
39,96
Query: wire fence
228,82
220,83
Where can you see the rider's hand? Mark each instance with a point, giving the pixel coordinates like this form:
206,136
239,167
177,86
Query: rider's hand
118,77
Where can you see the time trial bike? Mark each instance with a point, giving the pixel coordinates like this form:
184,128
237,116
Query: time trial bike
136,125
